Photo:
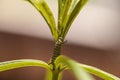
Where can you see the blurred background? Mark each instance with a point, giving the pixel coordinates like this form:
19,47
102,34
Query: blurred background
93,39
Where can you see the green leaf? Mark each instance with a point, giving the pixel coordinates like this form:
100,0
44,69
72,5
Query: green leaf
64,6
98,72
80,73
68,13
44,9
22,63
73,12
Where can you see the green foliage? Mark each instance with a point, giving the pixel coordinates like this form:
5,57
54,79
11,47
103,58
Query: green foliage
79,72
67,12
98,72
62,63
43,8
22,63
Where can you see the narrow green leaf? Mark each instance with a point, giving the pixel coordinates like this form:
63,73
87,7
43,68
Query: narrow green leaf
44,9
74,10
62,14
77,70
61,4
22,63
73,4
98,72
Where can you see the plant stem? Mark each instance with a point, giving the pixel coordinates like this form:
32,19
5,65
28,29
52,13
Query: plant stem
55,75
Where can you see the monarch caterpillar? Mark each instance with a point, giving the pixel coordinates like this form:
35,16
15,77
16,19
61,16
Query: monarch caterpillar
57,50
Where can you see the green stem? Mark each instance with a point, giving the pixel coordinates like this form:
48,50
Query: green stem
55,75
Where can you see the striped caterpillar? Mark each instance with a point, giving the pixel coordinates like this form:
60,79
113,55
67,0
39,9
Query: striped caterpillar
57,50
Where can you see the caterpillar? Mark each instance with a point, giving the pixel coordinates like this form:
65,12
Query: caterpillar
57,50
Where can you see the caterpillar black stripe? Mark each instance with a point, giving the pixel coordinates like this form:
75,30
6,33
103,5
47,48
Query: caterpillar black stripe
57,50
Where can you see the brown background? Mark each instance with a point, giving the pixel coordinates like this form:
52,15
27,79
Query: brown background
19,47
